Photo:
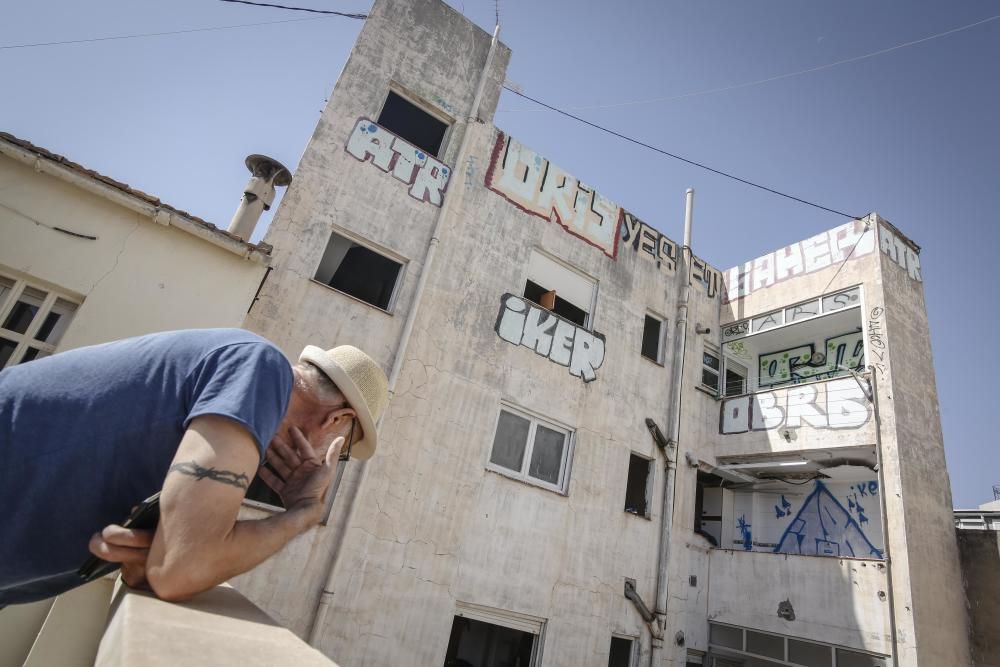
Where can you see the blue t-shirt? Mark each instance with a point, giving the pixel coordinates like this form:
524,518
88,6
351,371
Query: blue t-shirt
87,434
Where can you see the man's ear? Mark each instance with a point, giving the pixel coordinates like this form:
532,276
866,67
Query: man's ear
337,416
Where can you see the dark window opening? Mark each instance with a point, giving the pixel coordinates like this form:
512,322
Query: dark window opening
637,487
708,507
549,300
621,652
710,366
735,383
359,271
405,119
479,644
652,337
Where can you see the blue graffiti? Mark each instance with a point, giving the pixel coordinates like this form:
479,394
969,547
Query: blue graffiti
823,527
778,512
785,505
745,532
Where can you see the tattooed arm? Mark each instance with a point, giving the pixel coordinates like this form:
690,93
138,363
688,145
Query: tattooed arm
199,542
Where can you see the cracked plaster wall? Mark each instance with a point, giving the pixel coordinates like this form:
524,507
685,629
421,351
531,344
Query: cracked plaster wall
136,278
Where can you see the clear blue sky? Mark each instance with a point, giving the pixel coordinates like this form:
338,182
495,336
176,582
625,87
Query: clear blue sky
912,134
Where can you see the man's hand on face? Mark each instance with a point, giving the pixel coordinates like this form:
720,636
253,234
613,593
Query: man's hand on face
127,546
303,473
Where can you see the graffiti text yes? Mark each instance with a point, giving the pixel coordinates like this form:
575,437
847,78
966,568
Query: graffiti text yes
523,323
426,176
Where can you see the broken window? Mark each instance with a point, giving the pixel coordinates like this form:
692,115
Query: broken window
33,321
637,486
708,502
560,289
477,643
652,339
531,449
710,367
736,378
405,119
621,652
359,271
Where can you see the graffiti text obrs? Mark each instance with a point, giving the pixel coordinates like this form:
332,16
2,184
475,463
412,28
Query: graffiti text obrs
523,323
426,176
837,404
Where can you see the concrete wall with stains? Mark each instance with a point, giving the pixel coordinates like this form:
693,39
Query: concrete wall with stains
897,328
434,524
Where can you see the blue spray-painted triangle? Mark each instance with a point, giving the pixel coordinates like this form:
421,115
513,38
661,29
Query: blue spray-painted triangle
823,527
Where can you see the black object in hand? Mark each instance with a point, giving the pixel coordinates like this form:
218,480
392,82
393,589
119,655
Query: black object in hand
144,517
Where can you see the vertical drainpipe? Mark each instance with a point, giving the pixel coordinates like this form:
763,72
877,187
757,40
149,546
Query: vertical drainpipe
670,470
326,594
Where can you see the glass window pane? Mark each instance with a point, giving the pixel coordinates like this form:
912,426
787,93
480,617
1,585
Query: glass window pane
24,310
6,286
847,658
711,361
709,379
510,441
7,348
772,646
723,635
547,454
809,654
56,322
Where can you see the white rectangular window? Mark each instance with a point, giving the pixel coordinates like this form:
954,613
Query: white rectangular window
653,330
622,652
359,271
531,449
710,369
564,291
32,320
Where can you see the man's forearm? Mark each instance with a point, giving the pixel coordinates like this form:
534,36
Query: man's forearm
187,569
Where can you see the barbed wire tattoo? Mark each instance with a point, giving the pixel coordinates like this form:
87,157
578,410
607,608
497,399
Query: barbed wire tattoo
229,477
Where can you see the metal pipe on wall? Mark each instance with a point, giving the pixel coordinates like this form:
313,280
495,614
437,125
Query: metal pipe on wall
326,594
673,435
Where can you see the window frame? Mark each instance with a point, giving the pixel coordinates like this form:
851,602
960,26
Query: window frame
25,341
527,276
378,250
661,343
718,372
634,647
650,474
425,106
726,361
534,419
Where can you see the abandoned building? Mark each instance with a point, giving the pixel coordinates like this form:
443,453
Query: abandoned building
599,448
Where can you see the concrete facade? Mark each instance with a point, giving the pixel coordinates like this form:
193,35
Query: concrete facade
129,264
790,537
980,554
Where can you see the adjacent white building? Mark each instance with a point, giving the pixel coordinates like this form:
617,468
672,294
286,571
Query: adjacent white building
600,449
86,259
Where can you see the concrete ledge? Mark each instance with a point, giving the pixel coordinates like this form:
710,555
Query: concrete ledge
219,627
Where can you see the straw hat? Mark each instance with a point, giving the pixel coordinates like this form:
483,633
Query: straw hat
362,383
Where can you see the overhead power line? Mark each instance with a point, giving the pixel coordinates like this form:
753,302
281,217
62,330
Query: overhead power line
757,82
346,15
155,34
684,159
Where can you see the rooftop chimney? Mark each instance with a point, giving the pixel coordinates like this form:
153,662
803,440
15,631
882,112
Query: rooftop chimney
266,174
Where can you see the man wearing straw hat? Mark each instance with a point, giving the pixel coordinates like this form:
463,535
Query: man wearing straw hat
87,434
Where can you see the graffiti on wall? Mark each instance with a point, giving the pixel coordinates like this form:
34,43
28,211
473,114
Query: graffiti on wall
522,322
876,339
808,256
899,252
425,174
804,363
824,527
837,404
648,243
536,186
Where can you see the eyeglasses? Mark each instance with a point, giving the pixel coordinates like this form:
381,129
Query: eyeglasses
350,442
